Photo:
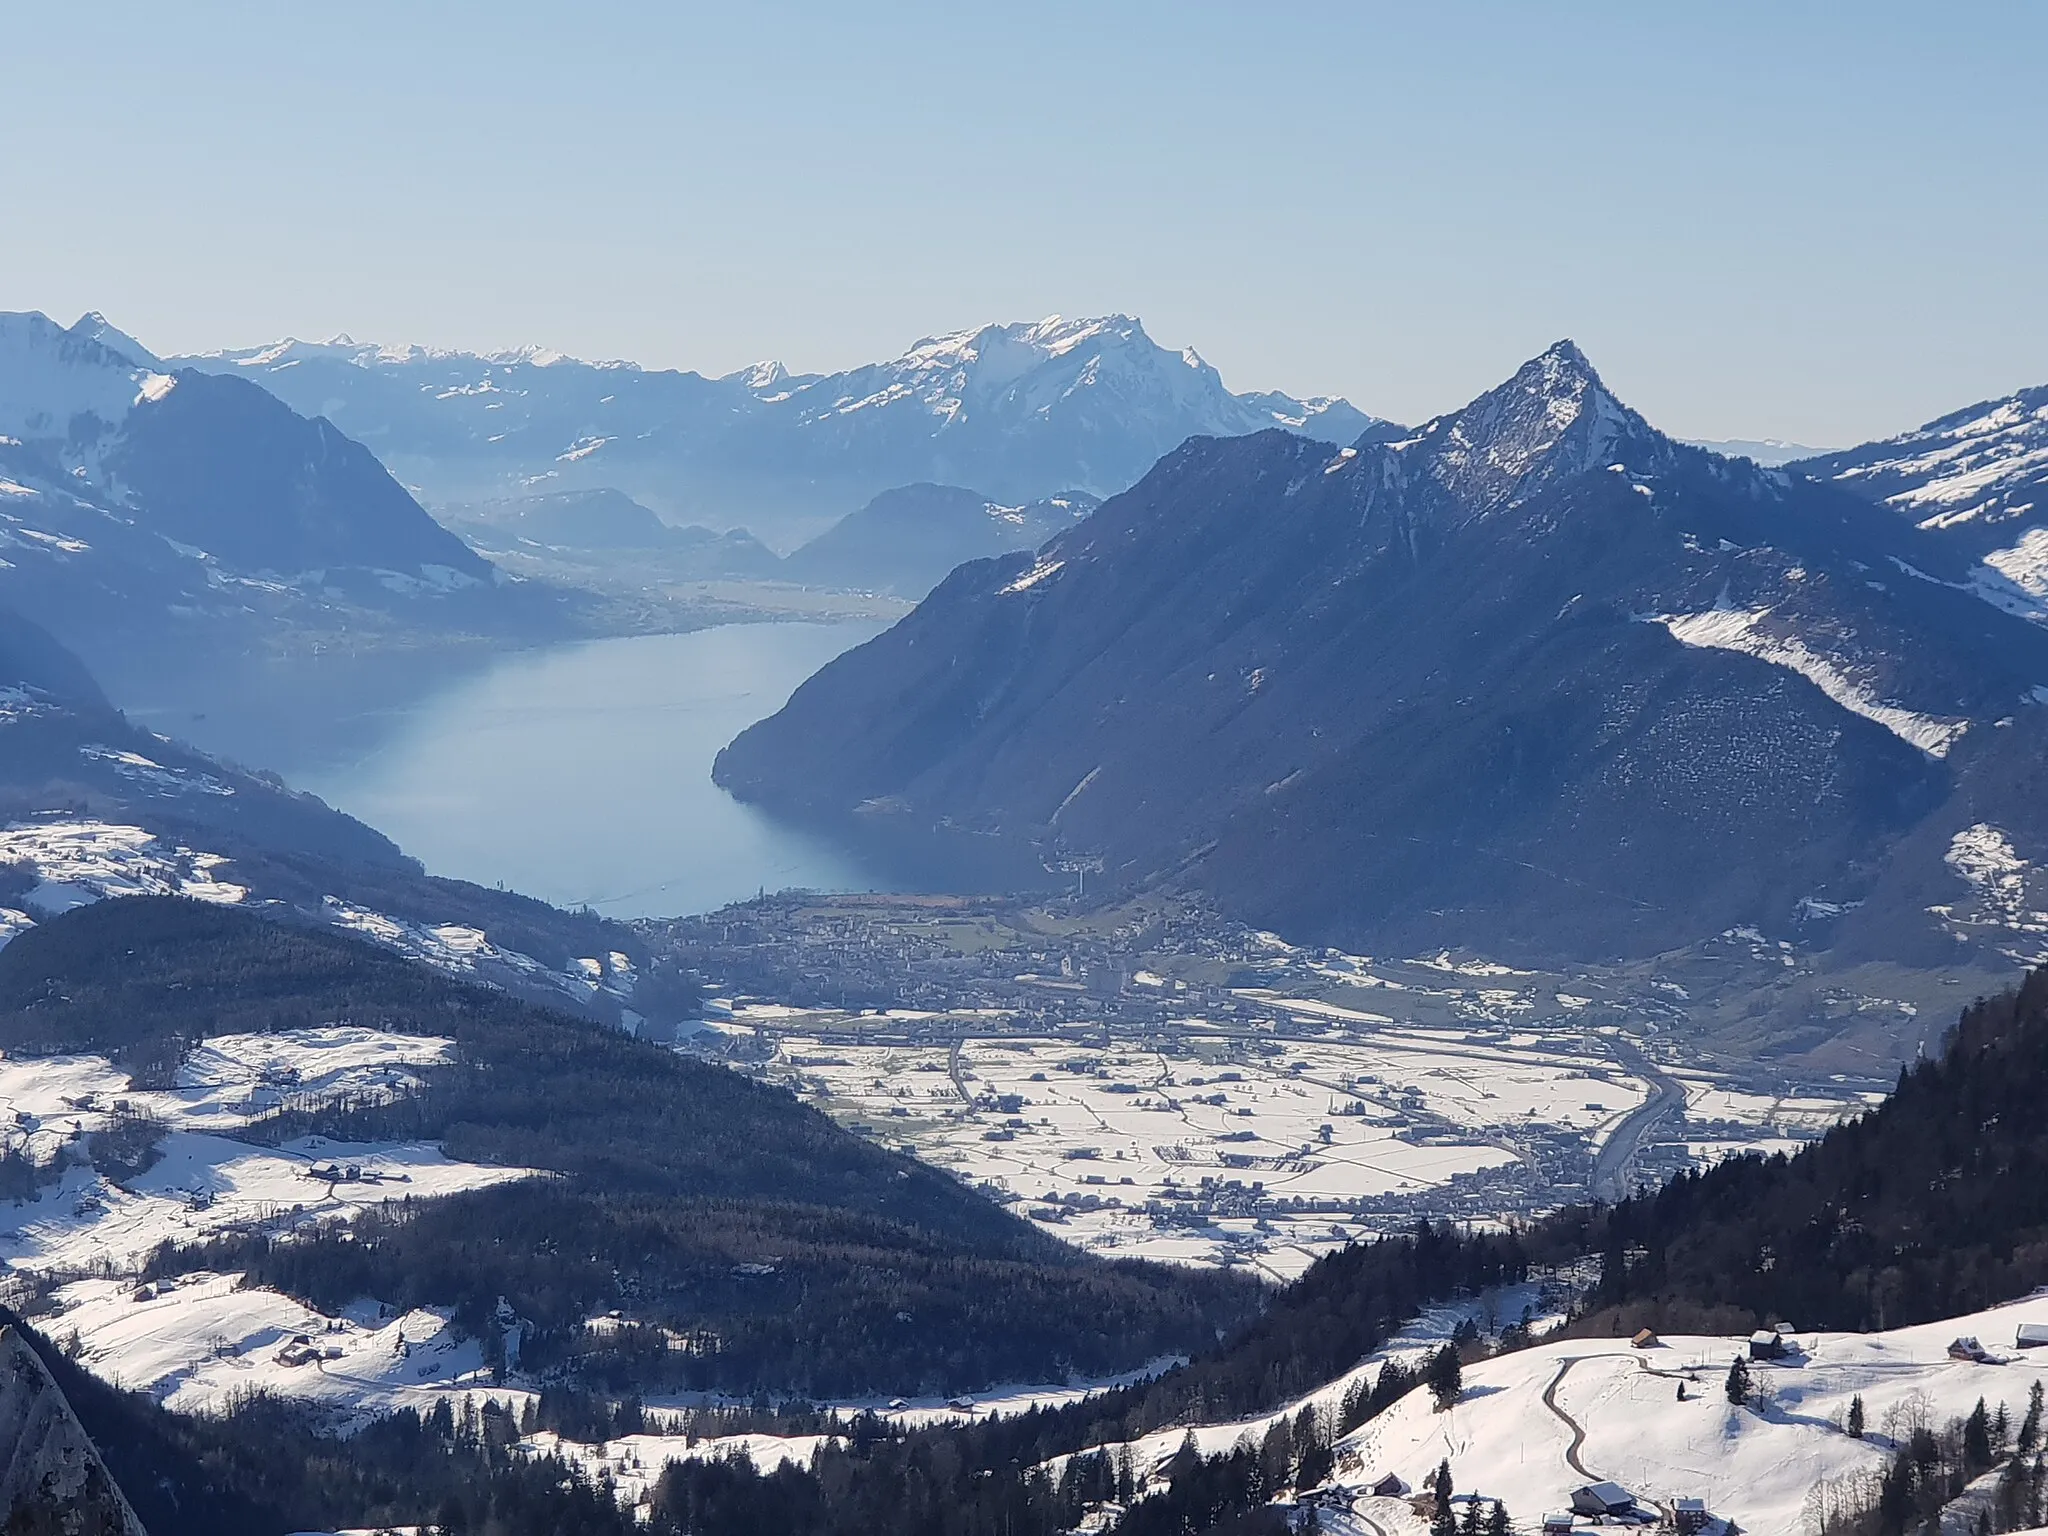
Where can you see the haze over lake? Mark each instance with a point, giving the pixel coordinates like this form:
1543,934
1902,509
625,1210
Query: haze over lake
582,773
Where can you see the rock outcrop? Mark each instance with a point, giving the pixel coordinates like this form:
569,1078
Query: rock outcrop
52,1481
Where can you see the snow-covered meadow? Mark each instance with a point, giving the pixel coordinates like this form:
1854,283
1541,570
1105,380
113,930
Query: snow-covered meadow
85,1239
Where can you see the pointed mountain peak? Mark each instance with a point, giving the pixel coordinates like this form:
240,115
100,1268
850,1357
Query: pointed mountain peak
1560,375
1553,418
1559,369
94,326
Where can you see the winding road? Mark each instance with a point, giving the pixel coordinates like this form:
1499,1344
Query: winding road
1571,1452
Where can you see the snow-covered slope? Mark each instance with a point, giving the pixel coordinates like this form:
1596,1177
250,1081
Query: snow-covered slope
67,389
1978,478
1018,411
1534,1425
197,1341
66,861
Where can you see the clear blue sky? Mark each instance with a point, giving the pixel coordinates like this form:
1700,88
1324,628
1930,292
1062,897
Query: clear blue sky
1820,222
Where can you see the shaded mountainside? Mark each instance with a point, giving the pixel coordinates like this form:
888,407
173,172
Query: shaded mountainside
692,1197
65,750
219,463
147,510
906,540
1535,678
1023,411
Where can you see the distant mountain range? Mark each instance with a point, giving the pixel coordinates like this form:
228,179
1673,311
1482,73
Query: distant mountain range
906,541
149,511
605,526
901,544
1021,412
1532,677
1767,451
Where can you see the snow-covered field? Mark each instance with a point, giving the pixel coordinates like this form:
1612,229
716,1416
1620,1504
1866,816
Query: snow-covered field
1206,1145
198,1341
1096,1134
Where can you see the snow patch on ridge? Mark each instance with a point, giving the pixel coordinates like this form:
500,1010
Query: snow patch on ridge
1042,571
1741,629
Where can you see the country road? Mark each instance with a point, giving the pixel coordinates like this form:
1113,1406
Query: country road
1611,1168
1571,1452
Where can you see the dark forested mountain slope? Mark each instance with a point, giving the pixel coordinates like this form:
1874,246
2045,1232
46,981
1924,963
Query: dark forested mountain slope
1933,1204
684,1193
1535,677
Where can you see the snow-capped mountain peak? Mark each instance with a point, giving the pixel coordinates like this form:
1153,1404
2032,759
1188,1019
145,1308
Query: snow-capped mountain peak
95,326
69,388
762,376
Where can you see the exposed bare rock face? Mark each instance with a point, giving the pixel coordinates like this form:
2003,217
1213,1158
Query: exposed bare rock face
52,1482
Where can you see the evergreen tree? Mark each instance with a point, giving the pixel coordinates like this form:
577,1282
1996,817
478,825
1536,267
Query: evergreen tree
1738,1382
1316,1459
1977,1440
1497,1523
1446,1377
1470,1526
1442,1522
1276,1456
2030,1426
1854,1424
2010,1497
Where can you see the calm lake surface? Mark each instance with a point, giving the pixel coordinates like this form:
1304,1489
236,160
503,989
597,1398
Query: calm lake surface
582,773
